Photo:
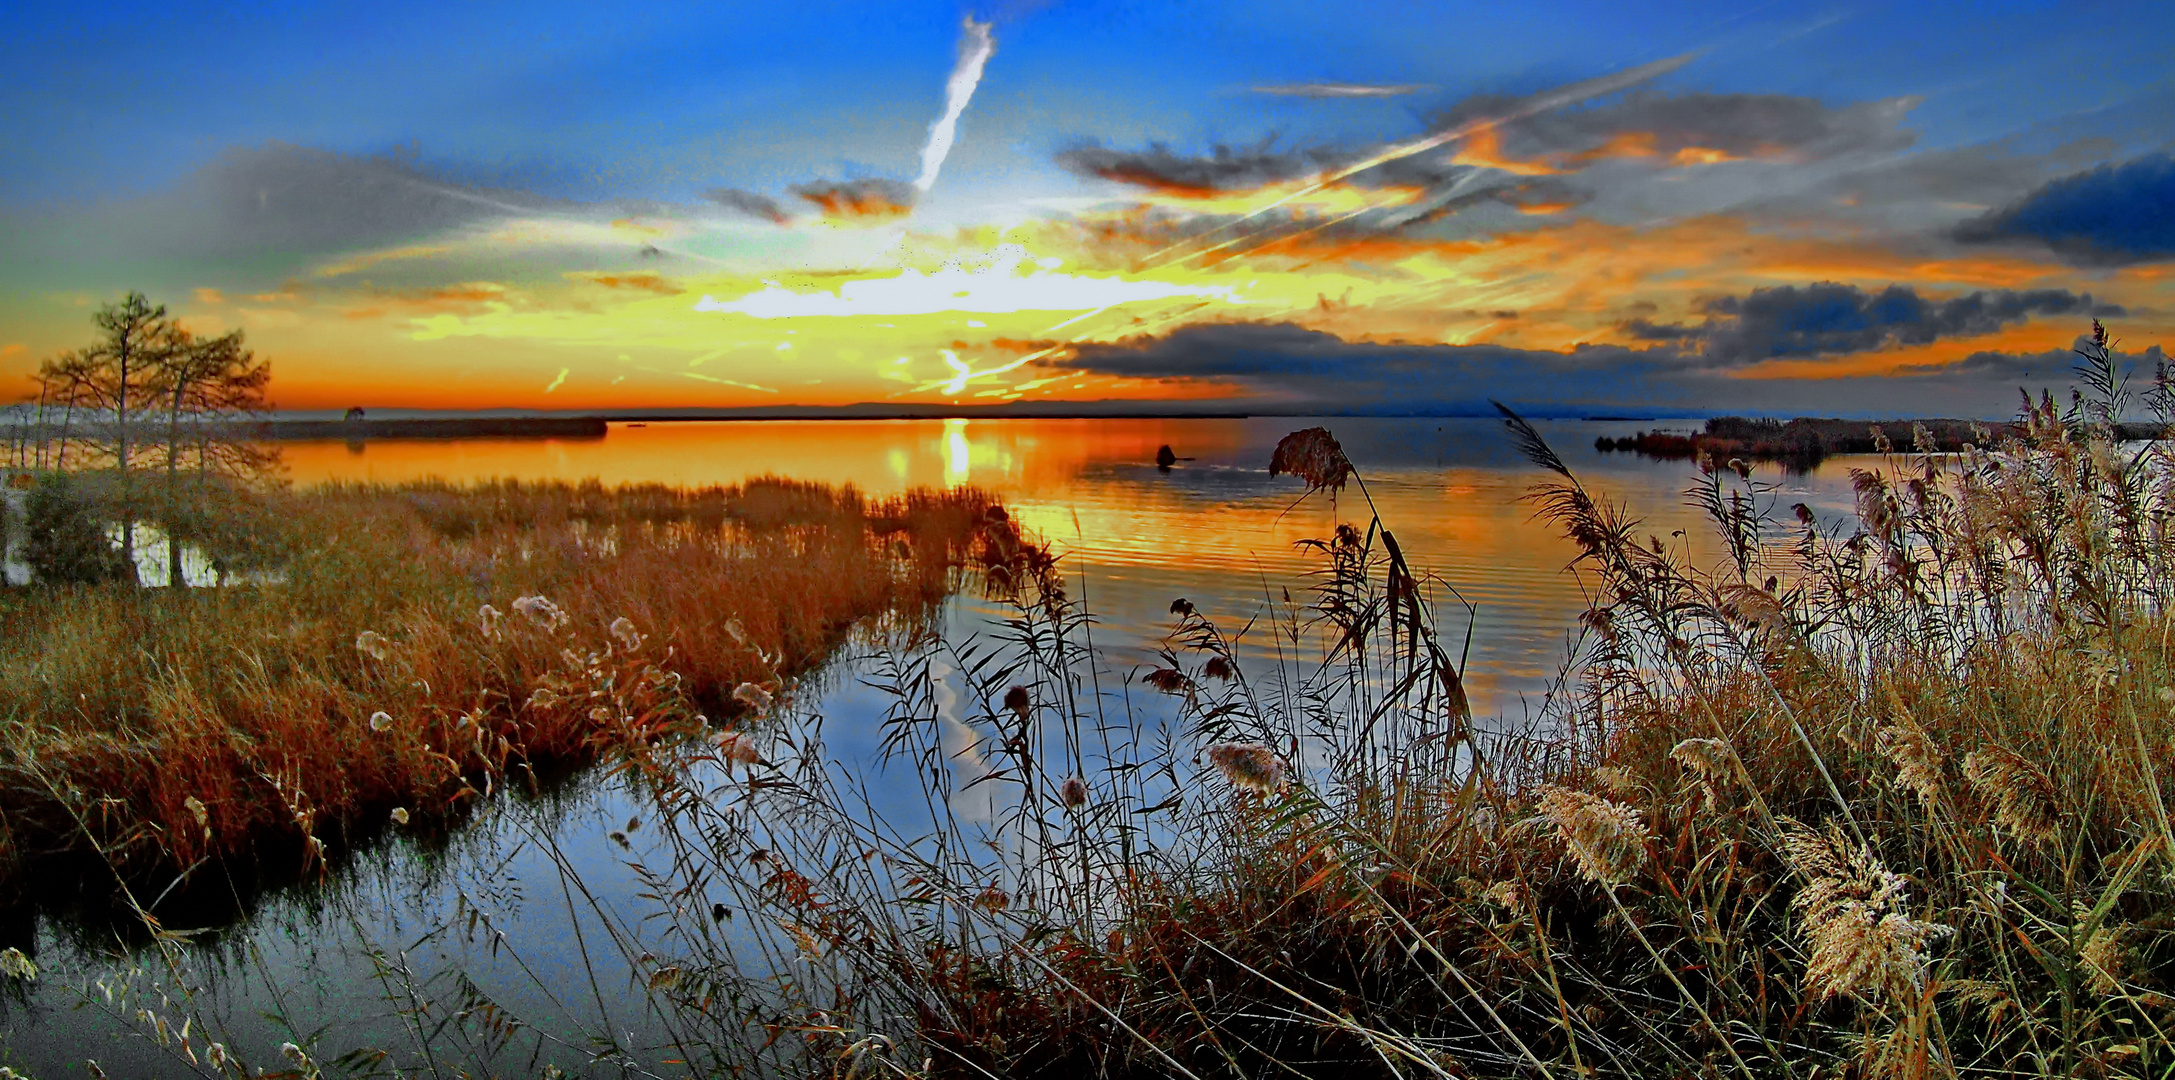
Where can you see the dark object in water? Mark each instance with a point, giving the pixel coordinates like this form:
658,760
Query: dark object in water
1164,458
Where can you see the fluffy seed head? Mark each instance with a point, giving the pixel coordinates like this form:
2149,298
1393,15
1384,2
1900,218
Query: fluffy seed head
488,618
295,1054
1073,792
2024,798
1917,759
17,966
1018,700
197,810
754,697
1606,839
1249,766
2106,959
1709,761
736,748
1311,455
1169,680
541,611
1854,921
1217,668
623,631
374,645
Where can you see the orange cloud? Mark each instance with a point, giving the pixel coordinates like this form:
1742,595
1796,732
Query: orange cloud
369,259
2024,338
647,281
859,202
1647,145
1484,148
210,297
471,298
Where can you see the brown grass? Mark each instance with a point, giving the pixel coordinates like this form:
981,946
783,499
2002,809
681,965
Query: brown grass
149,729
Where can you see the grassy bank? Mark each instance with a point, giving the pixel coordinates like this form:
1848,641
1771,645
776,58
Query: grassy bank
398,665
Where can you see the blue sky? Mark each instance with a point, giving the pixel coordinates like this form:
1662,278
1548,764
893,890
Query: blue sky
126,122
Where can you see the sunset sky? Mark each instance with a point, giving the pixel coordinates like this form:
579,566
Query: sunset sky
1283,207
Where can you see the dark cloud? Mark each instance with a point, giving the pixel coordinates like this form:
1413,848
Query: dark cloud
867,201
1829,319
748,203
1338,89
2053,364
1293,366
2114,215
1281,367
1735,125
1223,169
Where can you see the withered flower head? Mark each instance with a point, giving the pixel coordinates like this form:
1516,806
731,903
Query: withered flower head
1311,455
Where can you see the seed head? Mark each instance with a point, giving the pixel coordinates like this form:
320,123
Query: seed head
629,638
374,645
1855,922
1311,455
1710,761
541,611
17,966
1018,700
197,810
2024,798
2106,959
1249,766
736,748
380,720
754,697
1217,668
295,1054
1169,680
1607,839
1073,792
399,815
488,617
1917,759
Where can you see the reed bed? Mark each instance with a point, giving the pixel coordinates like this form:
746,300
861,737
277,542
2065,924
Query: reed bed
424,646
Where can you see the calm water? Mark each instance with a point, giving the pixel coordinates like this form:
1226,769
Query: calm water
1216,529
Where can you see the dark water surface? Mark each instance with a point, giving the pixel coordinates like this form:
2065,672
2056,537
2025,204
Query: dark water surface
1216,529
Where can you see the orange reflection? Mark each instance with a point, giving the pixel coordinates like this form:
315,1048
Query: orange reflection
1217,529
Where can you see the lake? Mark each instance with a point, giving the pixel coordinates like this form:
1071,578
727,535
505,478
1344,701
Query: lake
1216,529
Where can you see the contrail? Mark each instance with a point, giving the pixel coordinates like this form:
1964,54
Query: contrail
974,49
1568,95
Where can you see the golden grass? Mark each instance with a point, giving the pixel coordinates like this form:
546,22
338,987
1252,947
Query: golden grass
429,644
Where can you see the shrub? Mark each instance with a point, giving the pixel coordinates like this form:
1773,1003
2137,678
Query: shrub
65,542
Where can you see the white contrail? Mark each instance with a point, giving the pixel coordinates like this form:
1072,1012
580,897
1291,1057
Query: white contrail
974,49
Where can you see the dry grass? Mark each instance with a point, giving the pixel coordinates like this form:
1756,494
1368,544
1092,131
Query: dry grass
429,644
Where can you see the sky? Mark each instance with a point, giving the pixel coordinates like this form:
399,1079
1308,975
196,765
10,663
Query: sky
1667,208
